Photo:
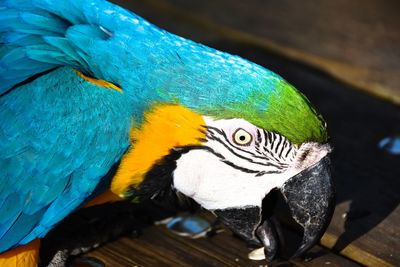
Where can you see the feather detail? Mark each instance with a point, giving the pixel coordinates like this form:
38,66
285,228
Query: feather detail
20,39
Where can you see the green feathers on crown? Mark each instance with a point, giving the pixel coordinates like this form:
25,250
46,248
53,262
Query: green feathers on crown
283,110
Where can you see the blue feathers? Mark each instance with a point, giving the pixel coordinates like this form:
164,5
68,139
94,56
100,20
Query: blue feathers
41,35
60,136
16,232
115,45
26,53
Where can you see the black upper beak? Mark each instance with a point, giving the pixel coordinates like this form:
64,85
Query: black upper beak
310,197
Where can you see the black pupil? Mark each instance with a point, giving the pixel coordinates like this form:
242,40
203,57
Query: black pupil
242,138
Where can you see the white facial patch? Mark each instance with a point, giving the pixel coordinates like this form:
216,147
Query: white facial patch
229,172
215,185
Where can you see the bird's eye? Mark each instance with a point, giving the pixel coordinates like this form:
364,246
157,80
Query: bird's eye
242,138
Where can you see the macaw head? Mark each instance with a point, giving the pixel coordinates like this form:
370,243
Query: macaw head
229,162
226,132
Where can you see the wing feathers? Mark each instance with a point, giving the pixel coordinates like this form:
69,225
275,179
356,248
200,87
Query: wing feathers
17,231
35,36
52,154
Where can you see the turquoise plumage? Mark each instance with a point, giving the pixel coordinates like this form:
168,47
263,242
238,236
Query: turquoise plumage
61,134
110,43
57,128
53,157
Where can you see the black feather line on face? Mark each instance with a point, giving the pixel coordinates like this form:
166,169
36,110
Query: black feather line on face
158,181
251,155
271,156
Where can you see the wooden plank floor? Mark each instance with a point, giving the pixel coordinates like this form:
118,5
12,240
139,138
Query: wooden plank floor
155,245
160,247
366,224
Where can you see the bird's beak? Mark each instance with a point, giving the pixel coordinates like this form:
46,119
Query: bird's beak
310,198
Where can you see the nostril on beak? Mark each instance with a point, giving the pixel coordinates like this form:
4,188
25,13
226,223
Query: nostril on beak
304,155
311,153
303,158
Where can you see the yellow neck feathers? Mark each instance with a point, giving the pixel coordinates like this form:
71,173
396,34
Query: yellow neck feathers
98,82
164,128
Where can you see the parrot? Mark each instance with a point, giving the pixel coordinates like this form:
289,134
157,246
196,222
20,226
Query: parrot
99,105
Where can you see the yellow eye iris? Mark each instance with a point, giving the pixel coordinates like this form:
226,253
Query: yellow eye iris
242,138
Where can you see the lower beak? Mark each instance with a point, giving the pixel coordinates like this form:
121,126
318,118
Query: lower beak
310,197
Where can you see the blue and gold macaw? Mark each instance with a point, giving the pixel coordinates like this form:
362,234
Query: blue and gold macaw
97,104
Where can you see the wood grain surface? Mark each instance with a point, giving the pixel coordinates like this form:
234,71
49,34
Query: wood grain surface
160,247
